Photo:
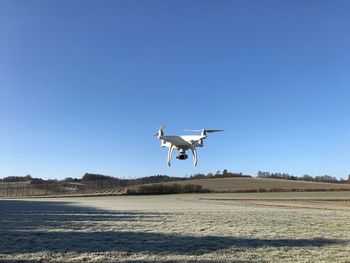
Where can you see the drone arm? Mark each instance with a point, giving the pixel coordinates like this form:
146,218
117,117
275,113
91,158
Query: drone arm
198,142
170,153
164,142
194,153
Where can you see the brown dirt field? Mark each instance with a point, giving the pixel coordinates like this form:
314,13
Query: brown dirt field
242,184
314,204
330,200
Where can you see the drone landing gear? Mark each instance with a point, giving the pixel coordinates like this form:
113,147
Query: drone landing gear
182,155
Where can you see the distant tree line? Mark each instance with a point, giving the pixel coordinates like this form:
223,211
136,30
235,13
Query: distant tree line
218,174
99,181
91,182
28,185
306,177
16,179
90,177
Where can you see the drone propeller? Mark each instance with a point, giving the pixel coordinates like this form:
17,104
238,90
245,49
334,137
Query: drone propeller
205,131
160,131
193,130
210,131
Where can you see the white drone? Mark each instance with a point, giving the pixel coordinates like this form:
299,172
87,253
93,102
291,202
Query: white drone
183,143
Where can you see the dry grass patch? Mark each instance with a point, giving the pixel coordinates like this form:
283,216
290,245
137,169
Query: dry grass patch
172,228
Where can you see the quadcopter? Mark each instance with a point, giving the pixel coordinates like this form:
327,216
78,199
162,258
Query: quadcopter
183,143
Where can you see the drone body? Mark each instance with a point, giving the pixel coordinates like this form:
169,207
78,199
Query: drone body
183,143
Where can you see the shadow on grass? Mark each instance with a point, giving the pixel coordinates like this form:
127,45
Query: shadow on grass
159,260
20,223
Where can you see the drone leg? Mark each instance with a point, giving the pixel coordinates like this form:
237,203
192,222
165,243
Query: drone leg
170,153
194,153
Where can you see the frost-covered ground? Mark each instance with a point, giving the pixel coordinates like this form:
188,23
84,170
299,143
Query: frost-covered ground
173,228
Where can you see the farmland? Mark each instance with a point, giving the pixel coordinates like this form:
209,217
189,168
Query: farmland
223,227
259,184
219,185
241,184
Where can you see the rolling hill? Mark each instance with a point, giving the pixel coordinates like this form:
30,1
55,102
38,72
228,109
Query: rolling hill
233,184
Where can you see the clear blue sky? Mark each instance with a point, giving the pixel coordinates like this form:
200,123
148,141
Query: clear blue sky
85,84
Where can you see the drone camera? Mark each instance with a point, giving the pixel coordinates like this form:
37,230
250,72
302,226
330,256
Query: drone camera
182,156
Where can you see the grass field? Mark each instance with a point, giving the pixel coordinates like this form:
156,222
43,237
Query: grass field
177,228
